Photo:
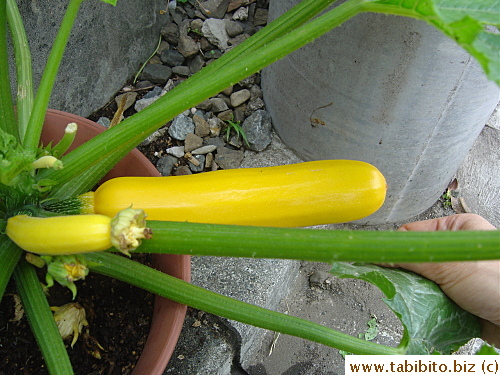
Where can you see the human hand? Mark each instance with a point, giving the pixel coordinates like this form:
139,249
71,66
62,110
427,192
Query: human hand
474,286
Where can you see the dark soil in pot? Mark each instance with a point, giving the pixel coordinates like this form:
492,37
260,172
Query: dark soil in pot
119,324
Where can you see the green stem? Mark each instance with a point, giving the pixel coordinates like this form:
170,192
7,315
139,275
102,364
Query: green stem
9,256
7,115
35,124
24,69
41,320
320,245
129,133
170,287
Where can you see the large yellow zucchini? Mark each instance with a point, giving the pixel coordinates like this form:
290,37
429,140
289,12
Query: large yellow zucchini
305,194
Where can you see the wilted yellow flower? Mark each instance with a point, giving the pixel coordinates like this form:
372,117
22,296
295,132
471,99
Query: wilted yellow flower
70,319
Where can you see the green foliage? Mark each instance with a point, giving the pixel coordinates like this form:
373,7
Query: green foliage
433,324
235,125
487,350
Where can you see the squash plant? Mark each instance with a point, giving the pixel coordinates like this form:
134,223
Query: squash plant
27,189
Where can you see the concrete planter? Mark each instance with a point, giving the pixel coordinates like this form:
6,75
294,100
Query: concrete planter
390,91
107,46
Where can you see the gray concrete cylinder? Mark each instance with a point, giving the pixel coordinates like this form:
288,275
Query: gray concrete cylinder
391,91
107,46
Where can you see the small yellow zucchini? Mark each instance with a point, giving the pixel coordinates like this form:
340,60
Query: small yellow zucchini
60,235
75,234
304,194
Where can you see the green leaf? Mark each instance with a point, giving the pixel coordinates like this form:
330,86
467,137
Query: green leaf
13,159
432,322
41,320
7,116
9,256
487,350
471,23
112,2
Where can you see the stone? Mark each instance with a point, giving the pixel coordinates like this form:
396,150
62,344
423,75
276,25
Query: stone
106,47
249,81
145,102
196,25
260,17
226,115
153,137
255,92
228,91
228,159
192,142
163,46
170,33
233,28
239,97
181,126
258,130
201,164
165,164
237,40
215,31
187,46
153,93
143,84
181,70
196,64
171,57
214,8
155,60
205,45
209,161
254,105
156,73
203,150
183,171
202,129
213,54
208,345
177,151
218,105
216,141
215,125
104,121
205,105
241,14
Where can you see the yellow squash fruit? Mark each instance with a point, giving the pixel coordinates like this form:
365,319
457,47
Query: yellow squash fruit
296,195
75,234
60,235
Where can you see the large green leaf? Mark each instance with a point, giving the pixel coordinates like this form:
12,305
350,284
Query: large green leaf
432,322
487,350
471,23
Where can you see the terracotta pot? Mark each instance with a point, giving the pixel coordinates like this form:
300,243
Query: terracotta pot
168,316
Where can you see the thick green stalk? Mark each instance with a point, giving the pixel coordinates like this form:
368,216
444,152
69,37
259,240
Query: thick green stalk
35,124
170,287
42,323
9,256
24,69
7,116
123,137
321,245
